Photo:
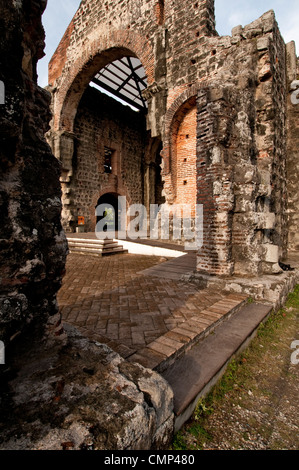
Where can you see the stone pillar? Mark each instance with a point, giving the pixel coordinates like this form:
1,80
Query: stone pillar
292,146
63,145
214,187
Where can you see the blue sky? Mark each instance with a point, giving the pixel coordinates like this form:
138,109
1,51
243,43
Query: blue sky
229,13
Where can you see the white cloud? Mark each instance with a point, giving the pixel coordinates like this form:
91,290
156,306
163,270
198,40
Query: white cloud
235,19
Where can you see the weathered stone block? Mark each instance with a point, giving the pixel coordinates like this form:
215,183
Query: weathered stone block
265,221
237,30
84,394
271,253
262,43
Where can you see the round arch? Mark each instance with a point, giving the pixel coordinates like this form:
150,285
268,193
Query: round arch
108,193
77,75
173,119
107,201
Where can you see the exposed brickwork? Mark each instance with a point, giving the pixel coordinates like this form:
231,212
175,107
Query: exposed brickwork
236,85
102,122
186,160
160,13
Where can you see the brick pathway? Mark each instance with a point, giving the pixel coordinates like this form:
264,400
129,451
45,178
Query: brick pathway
109,300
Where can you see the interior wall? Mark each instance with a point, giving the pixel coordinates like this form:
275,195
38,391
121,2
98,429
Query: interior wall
102,122
186,160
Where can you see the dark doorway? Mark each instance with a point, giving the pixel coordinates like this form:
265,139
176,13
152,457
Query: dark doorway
110,211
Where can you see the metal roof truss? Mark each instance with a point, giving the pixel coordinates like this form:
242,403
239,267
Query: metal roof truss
125,79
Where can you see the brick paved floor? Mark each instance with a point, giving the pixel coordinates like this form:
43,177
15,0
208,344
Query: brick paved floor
107,300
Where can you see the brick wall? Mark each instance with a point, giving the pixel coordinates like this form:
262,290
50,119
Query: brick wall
102,122
185,143
226,93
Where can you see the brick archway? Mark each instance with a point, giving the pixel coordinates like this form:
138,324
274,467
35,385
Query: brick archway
70,79
76,75
174,117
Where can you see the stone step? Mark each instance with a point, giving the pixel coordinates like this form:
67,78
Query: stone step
89,241
86,251
82,243
95,247
166,349
118,250
193,374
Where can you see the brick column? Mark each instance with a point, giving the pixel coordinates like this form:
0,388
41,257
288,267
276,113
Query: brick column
214,188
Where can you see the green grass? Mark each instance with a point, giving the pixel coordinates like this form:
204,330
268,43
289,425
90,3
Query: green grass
275,320
293,298
237,378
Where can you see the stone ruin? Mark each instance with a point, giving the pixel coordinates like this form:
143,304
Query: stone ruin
107,403
217,125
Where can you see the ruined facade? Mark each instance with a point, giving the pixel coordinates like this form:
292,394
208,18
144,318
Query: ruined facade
58,389
218,126
218,113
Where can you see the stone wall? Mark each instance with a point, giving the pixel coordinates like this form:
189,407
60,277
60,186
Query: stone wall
70,393
239,87
33,245
102,122
292,145
236,85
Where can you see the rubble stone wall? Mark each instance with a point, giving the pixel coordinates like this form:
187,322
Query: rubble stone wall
238,83
292,145
238,86
33,245
102,122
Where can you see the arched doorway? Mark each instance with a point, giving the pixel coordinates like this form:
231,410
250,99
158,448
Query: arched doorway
107,208
185,150
114,152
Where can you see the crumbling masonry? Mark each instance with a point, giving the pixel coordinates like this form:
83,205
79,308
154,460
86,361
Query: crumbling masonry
217,125
219,113
33,243
58,390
